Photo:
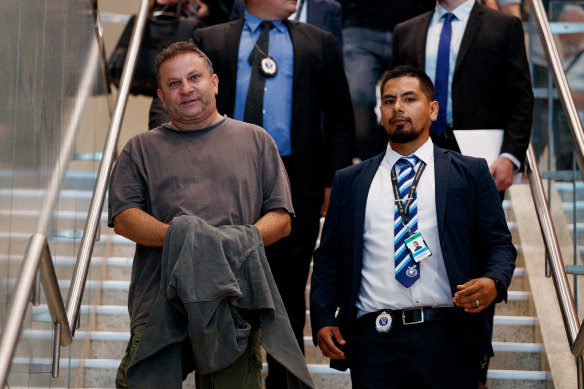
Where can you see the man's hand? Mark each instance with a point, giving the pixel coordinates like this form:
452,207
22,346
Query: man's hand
502,172
325,203
325,339
482,290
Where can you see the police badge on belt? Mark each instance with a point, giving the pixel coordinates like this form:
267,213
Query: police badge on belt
383,322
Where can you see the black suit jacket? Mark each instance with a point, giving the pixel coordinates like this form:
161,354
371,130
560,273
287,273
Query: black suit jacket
319,86
325,14
473,233
491,85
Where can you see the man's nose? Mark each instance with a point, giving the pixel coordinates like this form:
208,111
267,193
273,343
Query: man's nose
397,106
186,87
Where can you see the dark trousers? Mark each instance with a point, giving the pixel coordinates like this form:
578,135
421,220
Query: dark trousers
289,260
426,355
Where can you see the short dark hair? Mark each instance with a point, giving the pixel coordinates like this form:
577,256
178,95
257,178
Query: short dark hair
409,71
179,48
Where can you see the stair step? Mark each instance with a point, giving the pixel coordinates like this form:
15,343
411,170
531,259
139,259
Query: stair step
27,220
14,244
104,363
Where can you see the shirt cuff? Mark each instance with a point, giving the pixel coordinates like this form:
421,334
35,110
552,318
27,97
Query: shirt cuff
512,158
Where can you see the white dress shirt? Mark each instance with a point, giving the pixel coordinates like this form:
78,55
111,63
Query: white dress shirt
379,288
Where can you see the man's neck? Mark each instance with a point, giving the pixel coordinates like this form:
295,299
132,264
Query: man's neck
259,13
215,118
451,5
409,148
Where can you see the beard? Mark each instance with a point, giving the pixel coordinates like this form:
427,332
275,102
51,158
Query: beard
403,133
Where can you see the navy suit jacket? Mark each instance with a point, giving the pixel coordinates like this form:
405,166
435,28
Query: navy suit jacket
325,14
474,237
491,85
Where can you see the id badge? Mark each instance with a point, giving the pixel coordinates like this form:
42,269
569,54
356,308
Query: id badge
417,247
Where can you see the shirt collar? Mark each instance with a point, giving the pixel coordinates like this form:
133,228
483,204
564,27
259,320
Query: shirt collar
424,153
462,12
252,22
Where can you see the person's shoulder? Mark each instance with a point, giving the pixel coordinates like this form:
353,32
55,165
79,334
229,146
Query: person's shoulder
211,31
142,140
149,135
413,22
493,15
306,35
306,28
238,125
472,164
238,128
356,169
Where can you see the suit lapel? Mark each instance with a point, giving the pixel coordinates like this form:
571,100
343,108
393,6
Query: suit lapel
474,22
441,176
421,35
362,184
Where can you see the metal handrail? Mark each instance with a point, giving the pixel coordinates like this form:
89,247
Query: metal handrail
38,255
553,57
572,325
563,291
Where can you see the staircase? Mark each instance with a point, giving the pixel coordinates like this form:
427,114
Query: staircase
520,360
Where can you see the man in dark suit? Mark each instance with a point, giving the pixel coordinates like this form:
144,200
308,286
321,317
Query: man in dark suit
405,323
309,81
488,80
325,14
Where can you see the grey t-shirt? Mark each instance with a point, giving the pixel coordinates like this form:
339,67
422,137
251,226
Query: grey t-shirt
226,174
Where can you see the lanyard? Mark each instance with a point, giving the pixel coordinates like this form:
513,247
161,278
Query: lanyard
404,209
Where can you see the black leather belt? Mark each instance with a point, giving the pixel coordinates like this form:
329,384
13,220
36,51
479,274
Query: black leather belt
409,316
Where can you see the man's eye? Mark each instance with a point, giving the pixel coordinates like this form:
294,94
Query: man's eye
174,84
388,101
410,99
194,77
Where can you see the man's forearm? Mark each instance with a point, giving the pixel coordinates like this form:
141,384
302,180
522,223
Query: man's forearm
274,225
140,227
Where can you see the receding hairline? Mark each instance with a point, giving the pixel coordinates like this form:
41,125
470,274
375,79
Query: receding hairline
177,49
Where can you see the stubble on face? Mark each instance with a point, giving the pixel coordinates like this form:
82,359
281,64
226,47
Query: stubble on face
191,104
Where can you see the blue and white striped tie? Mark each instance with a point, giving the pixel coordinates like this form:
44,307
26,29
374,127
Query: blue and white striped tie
407,271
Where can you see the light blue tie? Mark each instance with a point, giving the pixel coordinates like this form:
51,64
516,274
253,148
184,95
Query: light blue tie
442,72
407,271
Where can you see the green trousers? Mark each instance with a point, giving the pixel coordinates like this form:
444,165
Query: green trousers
244,373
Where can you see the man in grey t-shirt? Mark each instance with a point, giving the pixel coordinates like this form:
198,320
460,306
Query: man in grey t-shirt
200,163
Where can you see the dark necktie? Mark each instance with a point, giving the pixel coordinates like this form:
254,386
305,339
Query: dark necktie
407,271
254,103
442,72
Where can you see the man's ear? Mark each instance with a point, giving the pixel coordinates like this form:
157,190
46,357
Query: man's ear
434,110
161,96
215,81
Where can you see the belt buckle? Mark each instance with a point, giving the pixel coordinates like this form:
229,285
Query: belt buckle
412,322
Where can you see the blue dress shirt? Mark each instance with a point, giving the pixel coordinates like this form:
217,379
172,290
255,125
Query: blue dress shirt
277,112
